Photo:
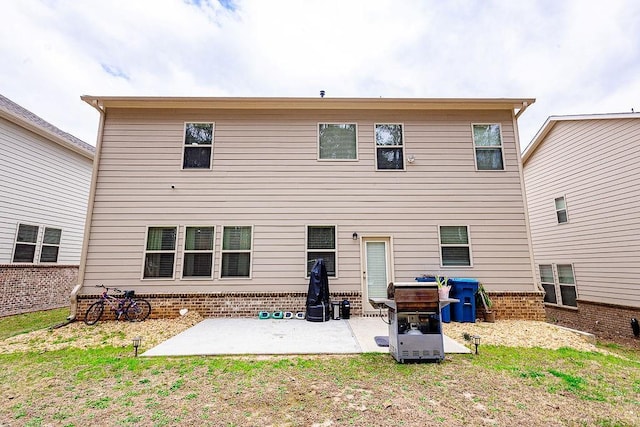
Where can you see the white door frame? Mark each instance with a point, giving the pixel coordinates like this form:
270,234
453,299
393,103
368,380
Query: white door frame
388,240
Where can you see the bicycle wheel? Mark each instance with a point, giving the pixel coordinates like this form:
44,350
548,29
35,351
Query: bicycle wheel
94,313
137,310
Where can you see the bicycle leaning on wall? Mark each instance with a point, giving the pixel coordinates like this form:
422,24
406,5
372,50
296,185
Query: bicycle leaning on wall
134,309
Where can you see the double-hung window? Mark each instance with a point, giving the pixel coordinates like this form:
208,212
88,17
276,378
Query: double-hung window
26,243
337,141
236,251
160,252
198,252
561,291
198,146
561,210
455,249
548,283
50,244
389,147
487,142
567,284
321,243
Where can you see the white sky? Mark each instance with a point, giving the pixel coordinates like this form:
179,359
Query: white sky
573,56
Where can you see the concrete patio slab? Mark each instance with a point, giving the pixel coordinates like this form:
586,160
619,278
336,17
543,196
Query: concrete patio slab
234,336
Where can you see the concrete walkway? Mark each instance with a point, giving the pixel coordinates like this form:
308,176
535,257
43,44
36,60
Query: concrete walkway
234,336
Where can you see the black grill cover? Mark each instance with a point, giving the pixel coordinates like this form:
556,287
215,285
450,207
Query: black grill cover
318,284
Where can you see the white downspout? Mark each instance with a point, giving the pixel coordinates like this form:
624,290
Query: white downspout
523,190
87,225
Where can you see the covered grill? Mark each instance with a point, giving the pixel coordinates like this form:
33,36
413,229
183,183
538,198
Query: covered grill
415,330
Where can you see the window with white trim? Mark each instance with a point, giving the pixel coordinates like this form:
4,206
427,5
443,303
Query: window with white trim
160,253
337,141
548,283
198,252
455,249
236,251
50,244
567,284
487,142
389,146
321,243
24,249
198,146
561,210
560,288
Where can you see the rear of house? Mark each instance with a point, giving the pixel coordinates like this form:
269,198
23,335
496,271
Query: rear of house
221,205
584,206
45,175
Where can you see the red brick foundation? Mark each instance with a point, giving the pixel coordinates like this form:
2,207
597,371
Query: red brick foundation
516,306
241,304
24,289
603,320
507,305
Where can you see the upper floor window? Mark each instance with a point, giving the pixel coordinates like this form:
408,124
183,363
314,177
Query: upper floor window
160,252
198,252
455,249
321,243
198,146
389,147
236,251
487,142
25,244
337,141
561,210
50,245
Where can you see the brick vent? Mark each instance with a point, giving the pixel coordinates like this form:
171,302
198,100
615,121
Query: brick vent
228,304
602,320
24,289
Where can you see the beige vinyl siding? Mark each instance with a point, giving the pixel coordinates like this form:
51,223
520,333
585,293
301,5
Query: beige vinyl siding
594,163
265,173
42,184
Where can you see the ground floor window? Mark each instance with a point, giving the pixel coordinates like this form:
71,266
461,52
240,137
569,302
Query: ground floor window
559,284
455,249
50,244
321,243
160,252
25,245
236,251
198,252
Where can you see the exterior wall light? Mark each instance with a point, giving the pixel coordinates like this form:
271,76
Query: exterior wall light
354,236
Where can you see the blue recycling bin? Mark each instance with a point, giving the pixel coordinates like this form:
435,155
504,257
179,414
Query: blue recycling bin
463,289
445,312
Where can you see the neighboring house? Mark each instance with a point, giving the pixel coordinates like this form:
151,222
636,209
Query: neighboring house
583,194
220,205
45,175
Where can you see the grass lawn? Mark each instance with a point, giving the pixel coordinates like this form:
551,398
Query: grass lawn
23,323
503,386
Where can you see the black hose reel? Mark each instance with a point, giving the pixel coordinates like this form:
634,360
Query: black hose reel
635,327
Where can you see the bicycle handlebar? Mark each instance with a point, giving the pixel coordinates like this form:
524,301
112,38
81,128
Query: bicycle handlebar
113,289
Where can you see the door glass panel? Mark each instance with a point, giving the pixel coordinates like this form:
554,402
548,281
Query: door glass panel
376,270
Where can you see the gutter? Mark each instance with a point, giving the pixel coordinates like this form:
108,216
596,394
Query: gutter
87,224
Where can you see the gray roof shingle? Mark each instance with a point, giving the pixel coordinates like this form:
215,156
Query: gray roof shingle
22,113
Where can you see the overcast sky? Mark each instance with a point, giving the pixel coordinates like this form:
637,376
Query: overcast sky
574,57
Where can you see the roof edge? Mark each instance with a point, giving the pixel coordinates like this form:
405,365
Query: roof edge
44,132
552,120
307,103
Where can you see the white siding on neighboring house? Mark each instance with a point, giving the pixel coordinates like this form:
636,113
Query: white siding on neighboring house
594,164
42,184
265,173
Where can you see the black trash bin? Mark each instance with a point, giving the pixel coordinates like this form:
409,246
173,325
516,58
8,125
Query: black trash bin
345,309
